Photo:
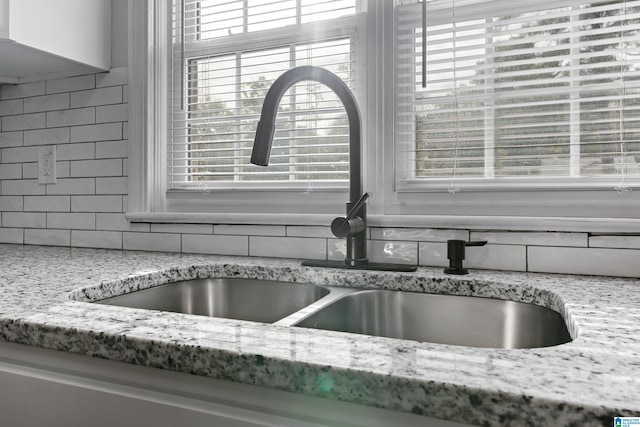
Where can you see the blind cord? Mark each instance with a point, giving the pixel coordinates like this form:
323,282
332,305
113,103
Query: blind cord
453,188
424,44
182,58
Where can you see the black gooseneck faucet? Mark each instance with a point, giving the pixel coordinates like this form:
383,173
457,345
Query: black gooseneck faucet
353,225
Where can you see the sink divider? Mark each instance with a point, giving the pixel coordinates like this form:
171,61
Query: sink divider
335,293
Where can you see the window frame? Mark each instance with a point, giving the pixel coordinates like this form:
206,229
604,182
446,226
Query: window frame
545,209
149,196
570,197
341,28
487,9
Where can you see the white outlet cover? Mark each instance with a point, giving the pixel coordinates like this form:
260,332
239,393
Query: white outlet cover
47,165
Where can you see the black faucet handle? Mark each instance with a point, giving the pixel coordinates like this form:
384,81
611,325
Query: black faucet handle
356,207
350,224
456,254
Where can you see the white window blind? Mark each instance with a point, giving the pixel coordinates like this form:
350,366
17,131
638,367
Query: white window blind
233,51
548,90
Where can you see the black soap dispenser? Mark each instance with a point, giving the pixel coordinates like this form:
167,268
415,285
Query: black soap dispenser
456,254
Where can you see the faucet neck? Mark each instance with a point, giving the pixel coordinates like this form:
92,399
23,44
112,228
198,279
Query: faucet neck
266,125
357,242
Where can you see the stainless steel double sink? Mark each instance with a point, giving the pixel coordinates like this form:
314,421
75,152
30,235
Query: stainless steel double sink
445,319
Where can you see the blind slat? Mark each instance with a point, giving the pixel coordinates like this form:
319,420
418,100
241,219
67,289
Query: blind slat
511,89
211,139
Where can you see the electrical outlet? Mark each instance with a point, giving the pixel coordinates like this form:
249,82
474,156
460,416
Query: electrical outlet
47,165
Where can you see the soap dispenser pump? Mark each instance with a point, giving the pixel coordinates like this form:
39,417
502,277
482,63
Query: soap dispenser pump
456,254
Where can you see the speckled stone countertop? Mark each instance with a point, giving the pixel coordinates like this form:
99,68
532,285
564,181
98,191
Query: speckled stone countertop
43,302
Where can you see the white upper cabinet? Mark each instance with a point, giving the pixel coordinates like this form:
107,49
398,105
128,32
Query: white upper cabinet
41,39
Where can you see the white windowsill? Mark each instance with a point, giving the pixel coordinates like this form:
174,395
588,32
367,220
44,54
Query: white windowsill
511,223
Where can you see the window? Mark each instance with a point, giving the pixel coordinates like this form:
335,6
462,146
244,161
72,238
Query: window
225,56
549,92
531,109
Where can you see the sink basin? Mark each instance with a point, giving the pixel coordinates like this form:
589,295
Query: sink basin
243,299
445,319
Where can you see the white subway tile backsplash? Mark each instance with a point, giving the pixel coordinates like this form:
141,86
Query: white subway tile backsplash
337,249
112,149
378,251
220,245
38,104
71,84
115,77
418,234
22,90
309,231
182,228
96,203
47,203
532,238
19,154
22,187
596,261
24,122
433,254
86,168
10,171
12,235
12,203
117,185
72,186
96,239
622,242
47,237
11,107
112,113
162,242
30,171
81,151
47,136
288,247
250,230
118,222
94,97
74,117
11,139
497,257
98,132
24,220
71,221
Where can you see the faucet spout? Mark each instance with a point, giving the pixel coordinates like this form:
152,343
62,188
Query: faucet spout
353,226
267,123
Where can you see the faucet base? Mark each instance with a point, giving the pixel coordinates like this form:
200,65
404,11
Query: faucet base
379,266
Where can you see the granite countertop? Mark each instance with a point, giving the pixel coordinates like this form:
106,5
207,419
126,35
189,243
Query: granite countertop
43,302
